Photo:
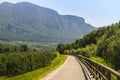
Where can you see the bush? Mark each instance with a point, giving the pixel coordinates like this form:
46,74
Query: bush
17,63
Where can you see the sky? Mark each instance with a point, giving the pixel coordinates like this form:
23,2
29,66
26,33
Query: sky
96,12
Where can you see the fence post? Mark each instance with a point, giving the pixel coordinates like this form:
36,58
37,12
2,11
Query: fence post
108,75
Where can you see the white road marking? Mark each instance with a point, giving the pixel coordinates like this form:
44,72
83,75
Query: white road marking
57,70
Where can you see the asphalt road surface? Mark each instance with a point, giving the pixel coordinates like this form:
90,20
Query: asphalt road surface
70,70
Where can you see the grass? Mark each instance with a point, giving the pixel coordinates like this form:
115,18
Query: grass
39,73
102,61
99,60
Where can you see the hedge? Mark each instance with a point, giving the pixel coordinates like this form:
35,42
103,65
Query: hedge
17,63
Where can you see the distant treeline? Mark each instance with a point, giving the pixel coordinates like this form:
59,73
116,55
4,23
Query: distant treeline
10,48
104,42
17,63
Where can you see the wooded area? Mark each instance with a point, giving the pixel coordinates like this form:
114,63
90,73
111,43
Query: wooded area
104,42
16,60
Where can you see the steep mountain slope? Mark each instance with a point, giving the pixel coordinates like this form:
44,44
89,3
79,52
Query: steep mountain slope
26,21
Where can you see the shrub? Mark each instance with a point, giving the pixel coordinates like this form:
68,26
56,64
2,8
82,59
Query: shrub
17,63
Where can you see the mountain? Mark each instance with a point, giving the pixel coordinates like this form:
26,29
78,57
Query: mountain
28,22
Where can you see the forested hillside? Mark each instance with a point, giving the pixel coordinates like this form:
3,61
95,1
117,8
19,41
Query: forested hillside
28,22
104,43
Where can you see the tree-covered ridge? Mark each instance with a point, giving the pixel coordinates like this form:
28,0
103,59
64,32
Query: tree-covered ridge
28,22
104,42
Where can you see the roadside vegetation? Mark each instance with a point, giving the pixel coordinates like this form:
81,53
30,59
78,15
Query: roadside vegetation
101,61
20,62
40,72
101,45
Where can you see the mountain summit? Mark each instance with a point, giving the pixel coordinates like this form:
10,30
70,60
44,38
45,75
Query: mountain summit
28,22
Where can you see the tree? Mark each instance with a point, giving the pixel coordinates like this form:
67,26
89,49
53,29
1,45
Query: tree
61,48
24,48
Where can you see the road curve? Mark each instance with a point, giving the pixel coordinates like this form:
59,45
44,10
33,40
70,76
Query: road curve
70,70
